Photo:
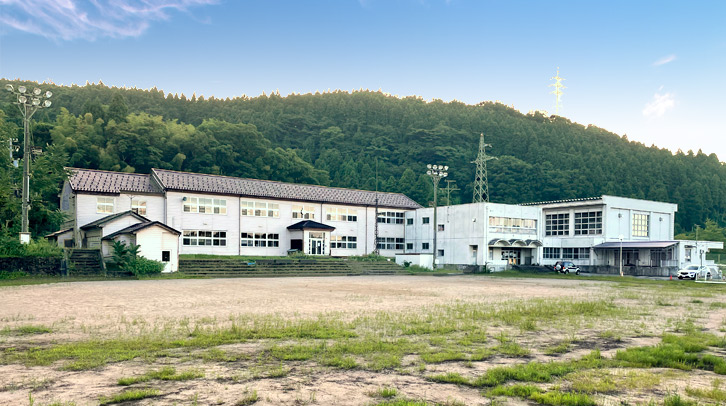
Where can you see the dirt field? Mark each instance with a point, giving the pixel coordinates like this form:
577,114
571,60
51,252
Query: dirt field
255,344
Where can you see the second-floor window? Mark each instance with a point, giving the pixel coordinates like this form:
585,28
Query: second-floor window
390,217
588,222
138,206
640,225
259,209
104,205
341,214
303,212
557,224
205,205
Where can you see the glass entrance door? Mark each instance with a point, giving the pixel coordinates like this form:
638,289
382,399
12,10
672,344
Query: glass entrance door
316,243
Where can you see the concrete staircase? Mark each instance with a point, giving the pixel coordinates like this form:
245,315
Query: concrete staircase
230,268
85,262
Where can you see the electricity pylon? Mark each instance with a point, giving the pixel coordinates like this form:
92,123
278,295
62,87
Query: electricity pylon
481,180
558,90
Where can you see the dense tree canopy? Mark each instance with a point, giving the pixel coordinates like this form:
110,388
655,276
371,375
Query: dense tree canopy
348,139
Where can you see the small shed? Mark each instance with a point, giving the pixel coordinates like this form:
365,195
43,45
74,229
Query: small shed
157,241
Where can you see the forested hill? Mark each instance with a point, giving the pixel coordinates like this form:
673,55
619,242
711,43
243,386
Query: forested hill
336,139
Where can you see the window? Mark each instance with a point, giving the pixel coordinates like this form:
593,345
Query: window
341,214
138,206
390,217
441,253
640,225
424,245
575,253
512,225
588,222
259,240
441,227
165,256
259,209
205,205
390,243
104,205
303,212
425,220
551,253
342,241
557,224
409,222
203,237
409,245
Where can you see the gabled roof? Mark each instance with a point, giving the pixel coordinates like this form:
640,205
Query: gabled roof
59,232
100,222
137,227
310,225
96,181
197,182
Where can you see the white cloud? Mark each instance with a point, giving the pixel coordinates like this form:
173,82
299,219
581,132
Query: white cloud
664,60
74,19
660,104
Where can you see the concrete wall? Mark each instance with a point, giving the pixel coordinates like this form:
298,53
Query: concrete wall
154,240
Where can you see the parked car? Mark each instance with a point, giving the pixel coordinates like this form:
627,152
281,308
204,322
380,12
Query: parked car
566,267
694,271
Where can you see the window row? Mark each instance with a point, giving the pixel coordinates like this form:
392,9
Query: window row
204,205
342,241
557,224
259,209
512,225
201,237
260,240
341,214
390,243
390,217
640,225
566,253
104,205
588,223
303,212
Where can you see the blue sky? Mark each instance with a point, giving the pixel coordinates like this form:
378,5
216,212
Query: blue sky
653,70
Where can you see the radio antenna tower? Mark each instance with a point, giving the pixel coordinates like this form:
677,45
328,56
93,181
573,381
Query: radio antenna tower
558,91
481,181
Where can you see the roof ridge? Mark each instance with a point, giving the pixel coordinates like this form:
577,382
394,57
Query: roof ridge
105,171
277,182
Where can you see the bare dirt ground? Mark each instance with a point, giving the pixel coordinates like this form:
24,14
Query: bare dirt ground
103,310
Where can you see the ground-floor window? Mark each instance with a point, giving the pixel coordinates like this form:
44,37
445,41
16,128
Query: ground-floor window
576,253
342,241
390,243
551,253
259,240
203,237
424,245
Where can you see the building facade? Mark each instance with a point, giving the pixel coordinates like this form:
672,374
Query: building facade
220,215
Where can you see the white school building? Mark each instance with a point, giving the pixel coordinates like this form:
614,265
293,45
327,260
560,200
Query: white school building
170,213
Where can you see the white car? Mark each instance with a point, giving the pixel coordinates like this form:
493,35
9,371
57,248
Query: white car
694,271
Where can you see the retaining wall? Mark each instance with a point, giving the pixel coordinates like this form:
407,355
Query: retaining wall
32,265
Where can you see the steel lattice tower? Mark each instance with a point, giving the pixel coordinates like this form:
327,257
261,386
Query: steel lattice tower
481,181
558,90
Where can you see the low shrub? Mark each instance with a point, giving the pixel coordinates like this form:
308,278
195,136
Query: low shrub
9,275
141,266
370,257
10,247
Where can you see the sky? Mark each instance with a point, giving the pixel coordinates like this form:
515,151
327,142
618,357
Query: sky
651,70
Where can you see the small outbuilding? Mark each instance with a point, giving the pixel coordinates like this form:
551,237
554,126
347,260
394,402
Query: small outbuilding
157,241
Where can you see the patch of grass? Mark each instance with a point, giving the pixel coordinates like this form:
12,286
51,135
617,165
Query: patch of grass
248,398
443,356
403,402
451,377
676,400
26,330
163,374
553,397
611,335
129,395
342,362
560,348
386,392
715,393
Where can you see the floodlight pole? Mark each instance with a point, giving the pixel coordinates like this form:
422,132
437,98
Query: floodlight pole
28,103
436,172
621,254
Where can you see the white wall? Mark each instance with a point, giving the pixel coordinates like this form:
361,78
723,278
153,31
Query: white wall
177,219
153,240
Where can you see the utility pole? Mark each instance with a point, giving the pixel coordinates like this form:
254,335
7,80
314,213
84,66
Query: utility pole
436,172
375,230
558,90
450,189
28,103
481,180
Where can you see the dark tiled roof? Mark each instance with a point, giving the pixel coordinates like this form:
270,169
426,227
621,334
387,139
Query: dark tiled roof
310,225
136,227
195,182
582,199
59,232
92,180
112,217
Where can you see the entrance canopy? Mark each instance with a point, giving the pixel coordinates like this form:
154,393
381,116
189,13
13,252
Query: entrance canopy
636,244
499,242
310,225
